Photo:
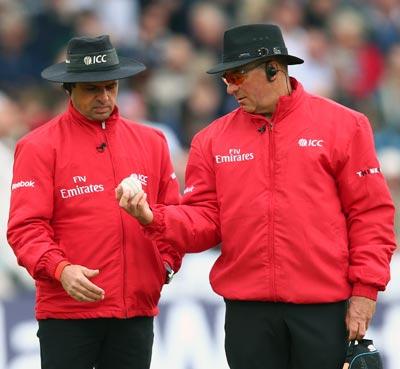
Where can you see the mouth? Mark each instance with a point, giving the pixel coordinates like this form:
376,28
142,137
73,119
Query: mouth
101,109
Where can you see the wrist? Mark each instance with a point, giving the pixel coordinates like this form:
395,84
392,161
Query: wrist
363,290
148,219
60,268
169,273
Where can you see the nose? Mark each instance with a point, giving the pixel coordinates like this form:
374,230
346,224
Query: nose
103,95
231,88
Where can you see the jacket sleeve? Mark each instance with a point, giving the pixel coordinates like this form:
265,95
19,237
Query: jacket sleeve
30,233
192,226
168,194
369,211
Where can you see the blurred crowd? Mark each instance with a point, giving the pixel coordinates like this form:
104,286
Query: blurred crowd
351,50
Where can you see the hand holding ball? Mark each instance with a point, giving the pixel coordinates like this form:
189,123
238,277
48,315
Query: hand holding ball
137,206
131,185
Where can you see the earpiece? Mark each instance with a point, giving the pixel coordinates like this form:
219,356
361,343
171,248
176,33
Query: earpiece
271,72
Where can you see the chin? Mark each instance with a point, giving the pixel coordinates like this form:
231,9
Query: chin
248,109
101,117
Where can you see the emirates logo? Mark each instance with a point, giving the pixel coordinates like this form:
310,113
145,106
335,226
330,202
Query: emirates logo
234,155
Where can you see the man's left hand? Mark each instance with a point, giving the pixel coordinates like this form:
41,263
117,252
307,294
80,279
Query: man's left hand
359,314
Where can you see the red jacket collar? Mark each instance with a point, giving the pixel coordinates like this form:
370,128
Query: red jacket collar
80,118
285,105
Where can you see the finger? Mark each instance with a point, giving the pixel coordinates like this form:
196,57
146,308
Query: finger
361,331
90,273
353,330
124,202
86,285
78,296
89,286
367,325
143,200
90,295
118,192
134,201
122,191
86,295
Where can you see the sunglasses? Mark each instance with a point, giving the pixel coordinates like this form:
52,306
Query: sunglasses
238,76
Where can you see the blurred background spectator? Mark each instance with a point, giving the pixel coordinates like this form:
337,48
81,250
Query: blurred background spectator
351,50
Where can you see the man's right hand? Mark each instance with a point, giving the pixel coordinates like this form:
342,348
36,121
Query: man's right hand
75,280
137,206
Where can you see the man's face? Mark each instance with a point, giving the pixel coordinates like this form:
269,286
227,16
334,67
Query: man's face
252,91
95,100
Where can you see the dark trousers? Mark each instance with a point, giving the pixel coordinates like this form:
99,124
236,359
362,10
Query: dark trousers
264,335
96,343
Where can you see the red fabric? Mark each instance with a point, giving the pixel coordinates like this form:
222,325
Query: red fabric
60,268
302,213
63,208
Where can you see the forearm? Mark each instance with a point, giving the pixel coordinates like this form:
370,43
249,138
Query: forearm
33,244
187,228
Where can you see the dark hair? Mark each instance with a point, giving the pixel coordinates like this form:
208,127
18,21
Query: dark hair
67,86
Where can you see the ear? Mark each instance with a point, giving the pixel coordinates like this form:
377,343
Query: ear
271,70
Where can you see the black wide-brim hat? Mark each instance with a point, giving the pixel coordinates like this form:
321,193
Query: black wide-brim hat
248,43
92,59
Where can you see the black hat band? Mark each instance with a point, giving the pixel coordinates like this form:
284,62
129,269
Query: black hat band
104,60
262,51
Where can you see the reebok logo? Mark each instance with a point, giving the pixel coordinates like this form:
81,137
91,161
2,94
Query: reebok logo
234,155
188,190
310,142
22,184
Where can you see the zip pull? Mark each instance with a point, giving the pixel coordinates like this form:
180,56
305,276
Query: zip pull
270,125
103,125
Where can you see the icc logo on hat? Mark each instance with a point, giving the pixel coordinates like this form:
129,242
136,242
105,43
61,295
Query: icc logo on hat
97,59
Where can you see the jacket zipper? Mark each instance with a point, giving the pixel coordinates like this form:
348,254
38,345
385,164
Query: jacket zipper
271,207
103,127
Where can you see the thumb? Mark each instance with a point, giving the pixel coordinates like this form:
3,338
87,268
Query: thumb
90,273
119,191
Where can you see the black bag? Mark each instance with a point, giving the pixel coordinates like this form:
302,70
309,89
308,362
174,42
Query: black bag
362,354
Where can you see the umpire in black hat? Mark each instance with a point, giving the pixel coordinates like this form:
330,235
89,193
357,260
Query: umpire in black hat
92,60
288,183
98,278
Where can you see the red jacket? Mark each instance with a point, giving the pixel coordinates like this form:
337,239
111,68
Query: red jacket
298,201
63,207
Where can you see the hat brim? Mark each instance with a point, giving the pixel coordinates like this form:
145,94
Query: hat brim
58,72
289,59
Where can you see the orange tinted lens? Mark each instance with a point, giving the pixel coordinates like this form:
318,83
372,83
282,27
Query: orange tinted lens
234,78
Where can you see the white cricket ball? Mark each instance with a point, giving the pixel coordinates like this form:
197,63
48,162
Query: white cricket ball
132,185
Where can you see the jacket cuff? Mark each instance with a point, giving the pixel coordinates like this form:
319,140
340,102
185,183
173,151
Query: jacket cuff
52,260
60,268
155,229
364,290
168,259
